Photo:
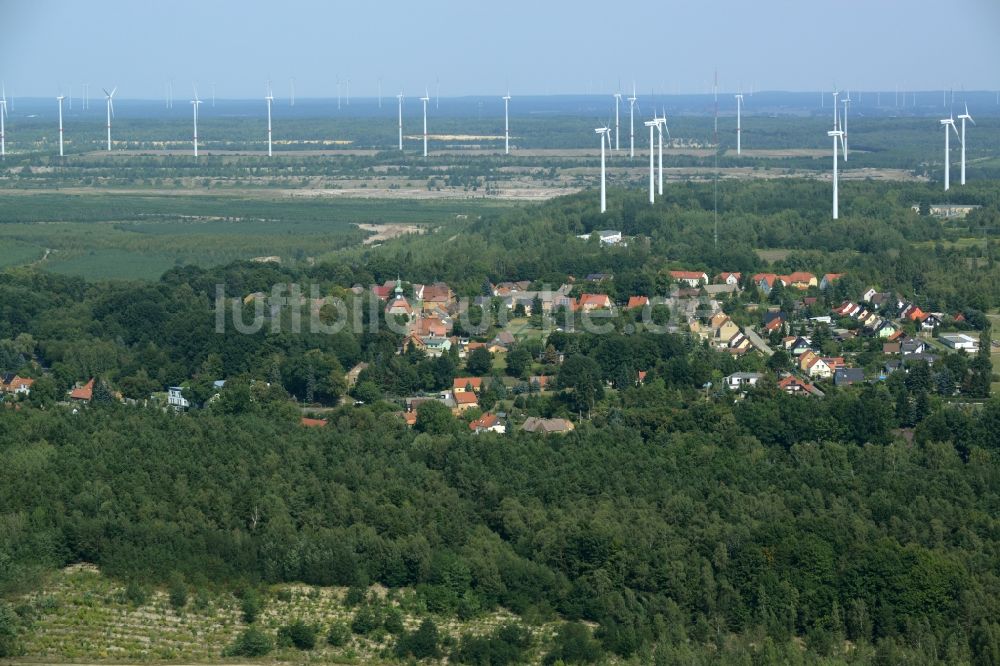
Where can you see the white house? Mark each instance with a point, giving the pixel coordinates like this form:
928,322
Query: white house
176,399
739,381
606,236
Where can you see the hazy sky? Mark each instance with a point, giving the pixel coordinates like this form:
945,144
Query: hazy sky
477,47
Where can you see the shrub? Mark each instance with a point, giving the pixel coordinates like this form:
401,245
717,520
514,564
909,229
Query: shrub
284,594
355,595
251,606
8,630
505,645
136,593
367,619
298,634
393,622
573,644
338,635
251,643
420,644
177,591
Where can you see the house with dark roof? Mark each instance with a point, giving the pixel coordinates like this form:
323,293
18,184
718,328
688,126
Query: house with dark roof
848,376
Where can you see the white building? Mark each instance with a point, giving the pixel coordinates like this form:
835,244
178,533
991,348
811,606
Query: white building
176,399
607,236
960,341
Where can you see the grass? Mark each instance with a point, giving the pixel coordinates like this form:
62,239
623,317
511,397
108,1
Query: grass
17,253
81,615
112,264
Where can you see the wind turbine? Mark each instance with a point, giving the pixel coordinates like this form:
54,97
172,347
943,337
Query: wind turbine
269,98
965,116
739,126
604,133
3,115
618,101
847,103
631,123
111,111
663,129
400,98
506,124
426,98
946,123
60,99
194,107
837,134
655,122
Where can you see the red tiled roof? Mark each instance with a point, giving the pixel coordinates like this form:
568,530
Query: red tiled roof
637,302
85,392
313,423
596,300
463,382
486,421
687,275
465,398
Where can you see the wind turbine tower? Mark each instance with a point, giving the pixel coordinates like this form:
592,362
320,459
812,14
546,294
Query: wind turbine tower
3,116
654,123
739,126
506,123
426,98
111,111
603,133
269,98
946,123
618,101
400,98
837,135
847,104
194,107
661,126
965,116
631,123
60,99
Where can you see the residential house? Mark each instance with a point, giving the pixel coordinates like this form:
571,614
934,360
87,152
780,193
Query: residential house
463,384
890,348
546,426
799,280
691,278
795,386
740,381
636,302
728,278
488,423
12,383
829,279
912,346
813,366
766,281
83,393
715,290
540,383
464,401
176,399
589,302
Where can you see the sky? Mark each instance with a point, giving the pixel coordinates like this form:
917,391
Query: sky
467,47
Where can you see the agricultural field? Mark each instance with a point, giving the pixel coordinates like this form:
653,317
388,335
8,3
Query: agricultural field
139,236
81,615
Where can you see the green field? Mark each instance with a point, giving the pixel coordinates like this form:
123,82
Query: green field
136,236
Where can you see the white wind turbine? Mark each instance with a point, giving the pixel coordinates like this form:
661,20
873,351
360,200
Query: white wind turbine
111,111
651,124
618,101
739,124
946,123
269,98
426,98
194,107
604,133
837,135
847,104
400,98
965,116
506,124
631,123
3,116
661,126
60,99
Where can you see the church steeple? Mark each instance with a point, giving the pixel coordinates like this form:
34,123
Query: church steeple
399,287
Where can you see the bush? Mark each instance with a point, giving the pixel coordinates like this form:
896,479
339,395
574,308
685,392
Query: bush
355,595
420,644
136,593
251,605
573,644
367,619
338,635
393,621
505,645
298,634
8,630
251,643
177,592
